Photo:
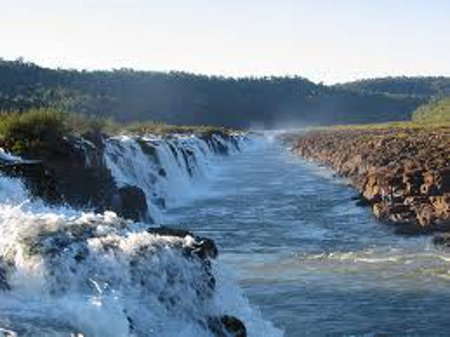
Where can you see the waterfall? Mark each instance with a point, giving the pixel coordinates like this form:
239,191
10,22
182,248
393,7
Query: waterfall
65,272
167,169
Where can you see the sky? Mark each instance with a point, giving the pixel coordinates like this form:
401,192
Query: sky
324,40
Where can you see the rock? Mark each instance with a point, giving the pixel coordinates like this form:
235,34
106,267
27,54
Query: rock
7,333
404,174
74,173
227,326
133,203
37,179
4,285
204,248
442,239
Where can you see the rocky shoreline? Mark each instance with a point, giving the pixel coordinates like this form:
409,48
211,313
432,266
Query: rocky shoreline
402,173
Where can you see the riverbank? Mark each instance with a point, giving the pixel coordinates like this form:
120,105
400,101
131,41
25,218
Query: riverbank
401,170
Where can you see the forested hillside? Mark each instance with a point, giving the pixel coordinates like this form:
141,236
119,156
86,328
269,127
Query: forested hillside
423,87
180,98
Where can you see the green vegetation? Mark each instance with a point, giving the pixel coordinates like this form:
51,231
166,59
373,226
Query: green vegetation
433,112
392,125
165,129
185,99
421,87
41,129
34,129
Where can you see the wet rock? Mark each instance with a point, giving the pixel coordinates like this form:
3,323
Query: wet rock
133,203
74,173
204,248
162,172
150,150
38,180
7,333
4,285
227,326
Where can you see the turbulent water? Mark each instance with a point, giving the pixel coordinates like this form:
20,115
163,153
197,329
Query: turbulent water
65,272
295,252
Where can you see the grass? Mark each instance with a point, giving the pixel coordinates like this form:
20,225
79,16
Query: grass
393,125
162,129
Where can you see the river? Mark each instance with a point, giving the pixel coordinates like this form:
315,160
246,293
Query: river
313,262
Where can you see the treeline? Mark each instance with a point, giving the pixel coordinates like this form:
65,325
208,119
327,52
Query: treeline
180,98
422,87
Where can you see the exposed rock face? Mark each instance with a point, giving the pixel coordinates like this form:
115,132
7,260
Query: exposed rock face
94,172
133,204
74,173
402,173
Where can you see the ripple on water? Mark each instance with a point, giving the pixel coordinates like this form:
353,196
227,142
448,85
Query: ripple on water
314,263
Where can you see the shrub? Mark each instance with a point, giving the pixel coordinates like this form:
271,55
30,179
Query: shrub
82,124
435,111
32,129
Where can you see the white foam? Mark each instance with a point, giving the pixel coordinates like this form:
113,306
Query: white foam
169,170
97,274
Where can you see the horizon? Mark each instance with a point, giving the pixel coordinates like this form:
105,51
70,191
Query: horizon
262,76
326,41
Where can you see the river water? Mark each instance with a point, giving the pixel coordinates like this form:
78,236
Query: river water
312,261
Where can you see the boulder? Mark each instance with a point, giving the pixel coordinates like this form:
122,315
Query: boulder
132,203
227,326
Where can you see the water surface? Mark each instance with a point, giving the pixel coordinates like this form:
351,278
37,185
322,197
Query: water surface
313,262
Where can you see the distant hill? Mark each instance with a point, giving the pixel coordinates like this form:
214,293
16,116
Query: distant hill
422,87
181,98
435,111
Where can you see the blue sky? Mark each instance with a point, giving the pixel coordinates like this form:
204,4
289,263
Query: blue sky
323,40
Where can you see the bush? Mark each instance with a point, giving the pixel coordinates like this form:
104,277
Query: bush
81,124
435,111
36,128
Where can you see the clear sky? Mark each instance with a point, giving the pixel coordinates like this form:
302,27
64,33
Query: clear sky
323,40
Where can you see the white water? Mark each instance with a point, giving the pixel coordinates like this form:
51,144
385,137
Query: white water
96,274
169,170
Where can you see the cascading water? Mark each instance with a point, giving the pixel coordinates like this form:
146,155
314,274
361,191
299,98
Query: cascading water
65,272
168,170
